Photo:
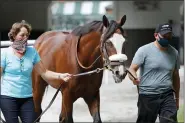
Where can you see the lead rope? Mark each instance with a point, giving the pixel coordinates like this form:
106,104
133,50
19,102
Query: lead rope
82,74
148,108
76,75
87,73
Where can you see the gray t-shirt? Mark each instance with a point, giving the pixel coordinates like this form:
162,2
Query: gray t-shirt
156,68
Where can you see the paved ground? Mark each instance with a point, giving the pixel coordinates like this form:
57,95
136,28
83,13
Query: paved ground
118,102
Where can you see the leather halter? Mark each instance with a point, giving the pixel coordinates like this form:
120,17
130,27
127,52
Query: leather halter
103,49
110,30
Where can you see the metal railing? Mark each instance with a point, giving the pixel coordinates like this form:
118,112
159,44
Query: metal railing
5,44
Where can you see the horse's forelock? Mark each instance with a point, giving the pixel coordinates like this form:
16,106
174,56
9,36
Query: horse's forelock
111,29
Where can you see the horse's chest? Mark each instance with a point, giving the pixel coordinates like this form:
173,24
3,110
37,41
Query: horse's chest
87,85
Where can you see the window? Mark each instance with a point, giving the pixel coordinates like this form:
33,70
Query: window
86,8
69,8
66,15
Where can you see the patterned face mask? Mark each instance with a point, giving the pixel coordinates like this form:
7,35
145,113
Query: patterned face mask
20,46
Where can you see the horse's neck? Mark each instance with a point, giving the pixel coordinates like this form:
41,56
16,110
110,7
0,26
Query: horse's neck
89,48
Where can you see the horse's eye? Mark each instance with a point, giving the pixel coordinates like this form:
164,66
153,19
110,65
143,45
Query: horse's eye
109,43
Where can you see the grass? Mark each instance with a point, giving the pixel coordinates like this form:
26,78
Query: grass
180,115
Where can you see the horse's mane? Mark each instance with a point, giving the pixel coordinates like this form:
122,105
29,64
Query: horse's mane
89,27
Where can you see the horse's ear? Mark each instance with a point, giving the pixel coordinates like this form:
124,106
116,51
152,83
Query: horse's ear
123,19
105,21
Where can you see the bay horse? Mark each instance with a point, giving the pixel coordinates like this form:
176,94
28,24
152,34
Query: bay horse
84,49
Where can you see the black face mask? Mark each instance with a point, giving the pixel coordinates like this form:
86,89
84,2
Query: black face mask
163,42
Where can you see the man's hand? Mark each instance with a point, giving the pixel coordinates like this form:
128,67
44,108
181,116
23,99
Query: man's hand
133,69
177,103
136,81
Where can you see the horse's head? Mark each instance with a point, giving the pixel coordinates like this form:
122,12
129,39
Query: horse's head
112,41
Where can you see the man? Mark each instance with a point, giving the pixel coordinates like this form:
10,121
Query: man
159,82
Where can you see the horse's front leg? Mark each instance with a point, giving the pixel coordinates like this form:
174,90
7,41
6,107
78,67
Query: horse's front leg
93,103
38,92
67,109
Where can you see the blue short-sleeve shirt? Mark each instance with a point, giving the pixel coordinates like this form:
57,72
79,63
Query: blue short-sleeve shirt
16,78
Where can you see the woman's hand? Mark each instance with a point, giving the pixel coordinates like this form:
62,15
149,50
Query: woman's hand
65,76
50,76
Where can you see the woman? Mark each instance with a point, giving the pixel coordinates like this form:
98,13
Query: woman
17,63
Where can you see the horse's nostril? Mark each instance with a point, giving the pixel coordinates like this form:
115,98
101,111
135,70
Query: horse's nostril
117,72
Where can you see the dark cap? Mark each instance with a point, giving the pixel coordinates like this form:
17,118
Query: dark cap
163,28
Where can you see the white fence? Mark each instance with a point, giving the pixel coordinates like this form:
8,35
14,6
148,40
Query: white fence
5,44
